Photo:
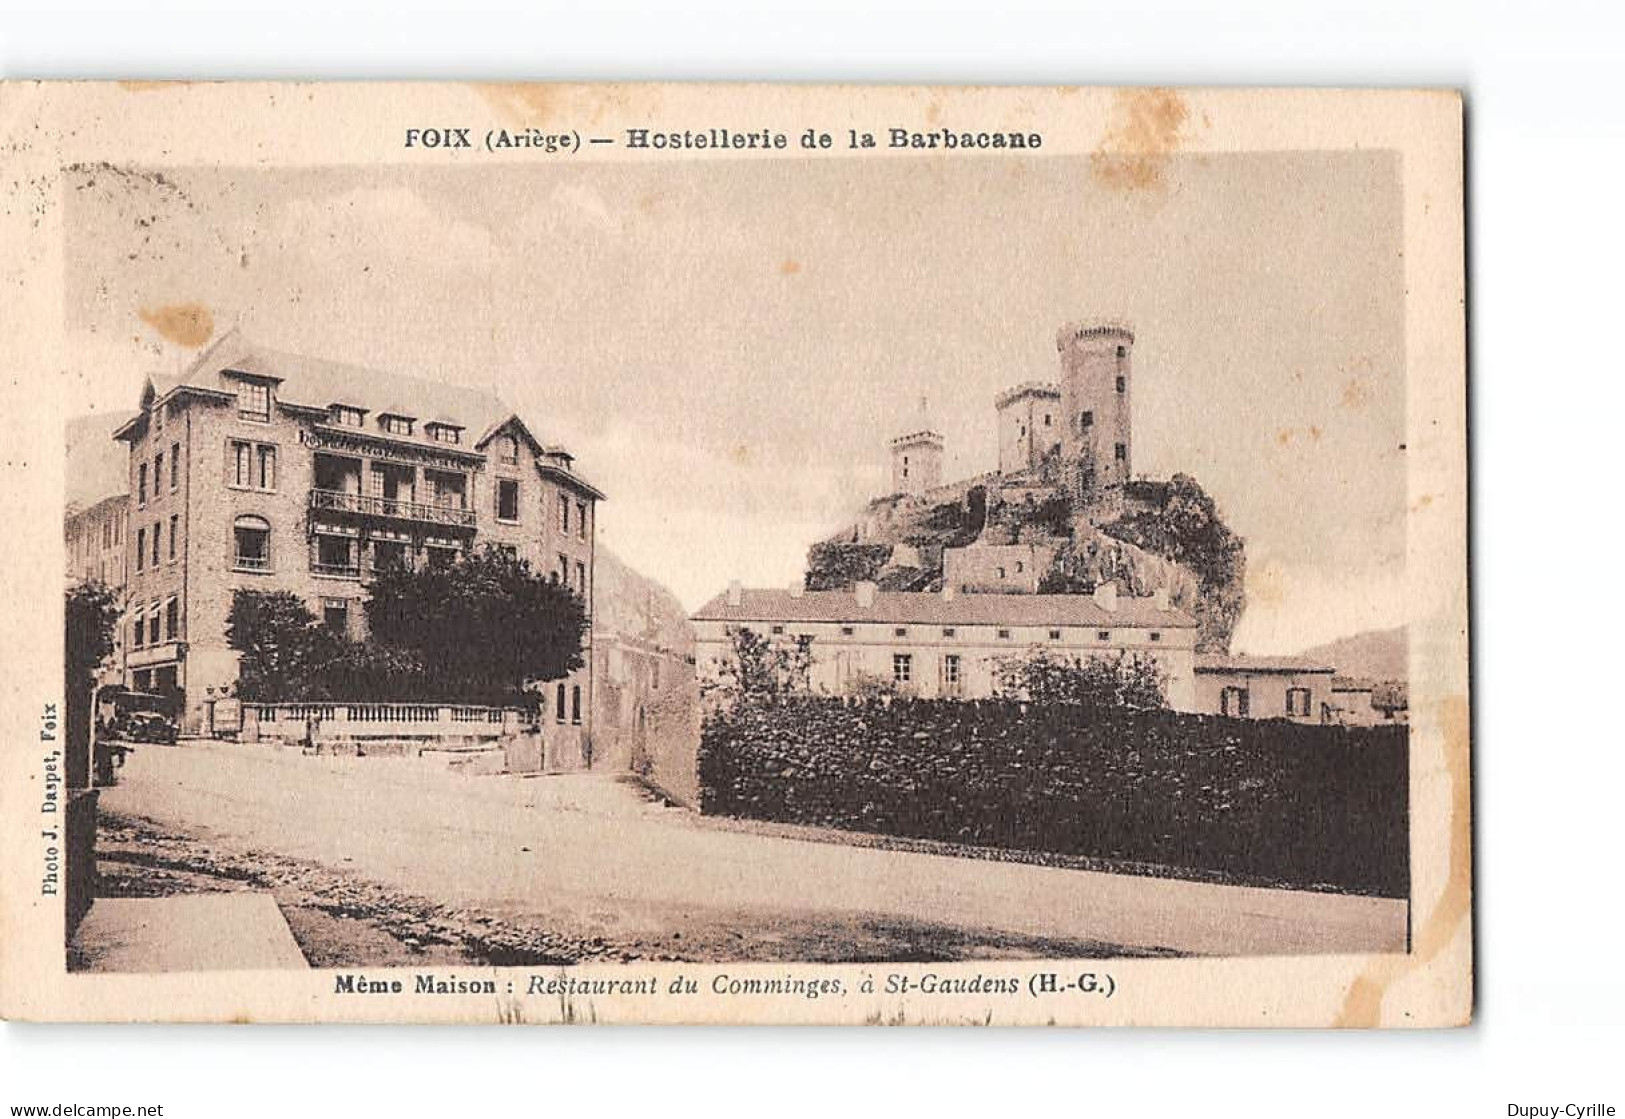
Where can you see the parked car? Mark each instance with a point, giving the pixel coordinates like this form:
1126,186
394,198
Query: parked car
146,726
135,716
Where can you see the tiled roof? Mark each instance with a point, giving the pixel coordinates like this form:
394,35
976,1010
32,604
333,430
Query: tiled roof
922,608
317,383
1214,663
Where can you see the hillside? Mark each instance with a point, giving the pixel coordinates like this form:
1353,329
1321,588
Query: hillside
1378,654
97,464
1158,536
629,603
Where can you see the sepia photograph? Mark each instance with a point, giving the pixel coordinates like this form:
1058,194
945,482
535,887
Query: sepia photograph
868,563
869,572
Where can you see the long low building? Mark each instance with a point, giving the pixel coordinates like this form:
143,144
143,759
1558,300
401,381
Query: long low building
948,643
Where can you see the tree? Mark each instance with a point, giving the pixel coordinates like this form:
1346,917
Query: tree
1096,682
483,628
90,614
286,654
757,668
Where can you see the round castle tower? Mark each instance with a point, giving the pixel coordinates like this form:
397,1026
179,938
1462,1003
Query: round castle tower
1097,441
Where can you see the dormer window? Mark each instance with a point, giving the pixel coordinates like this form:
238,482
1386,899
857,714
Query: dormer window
444,433
395,425
254,400
346,416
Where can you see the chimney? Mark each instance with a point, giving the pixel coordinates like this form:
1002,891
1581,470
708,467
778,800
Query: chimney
948,592
1159,598
797,587
1106,596
865,590
736,594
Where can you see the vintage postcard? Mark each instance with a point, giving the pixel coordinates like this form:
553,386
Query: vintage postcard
735,554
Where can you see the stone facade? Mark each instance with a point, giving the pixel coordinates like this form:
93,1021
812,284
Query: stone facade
94,543
997,568
1030,423
1264,688
916,462
269,471
1096,396
947,644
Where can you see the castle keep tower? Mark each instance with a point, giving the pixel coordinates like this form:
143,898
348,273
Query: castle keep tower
916,462
916,458
1030,425
1096,379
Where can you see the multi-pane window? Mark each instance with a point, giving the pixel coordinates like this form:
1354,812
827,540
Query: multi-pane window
174,467
141,484
1004,635
140,548
158,474
1156,635
902,667
564,569
1297,701
157,542
254,400
445,433
564,514
139,636
1054,635
581,520
253,465
949,631
1234,701
507,499
396,425
335,555
251,538
950,674
508,450
336,614
581,579
174,531
1103,635
346,416
172,617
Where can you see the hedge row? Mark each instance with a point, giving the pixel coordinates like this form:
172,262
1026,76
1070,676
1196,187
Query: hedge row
1271,800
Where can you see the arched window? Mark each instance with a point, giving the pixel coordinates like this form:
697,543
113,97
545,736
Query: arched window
251,538
1234,701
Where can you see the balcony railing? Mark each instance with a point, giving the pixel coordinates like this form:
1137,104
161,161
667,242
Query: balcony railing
337,501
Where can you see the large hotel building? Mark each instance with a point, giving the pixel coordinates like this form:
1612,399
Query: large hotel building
272,471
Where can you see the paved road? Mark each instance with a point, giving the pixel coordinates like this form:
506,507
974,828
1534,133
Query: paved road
588,855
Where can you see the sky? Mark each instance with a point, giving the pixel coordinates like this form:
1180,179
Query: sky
727,346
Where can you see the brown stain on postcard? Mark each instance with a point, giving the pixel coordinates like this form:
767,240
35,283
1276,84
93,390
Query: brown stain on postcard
185,324
1362,1005
1146,132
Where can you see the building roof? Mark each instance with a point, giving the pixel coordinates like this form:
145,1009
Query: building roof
1217,663
316,383
776,604
1027,388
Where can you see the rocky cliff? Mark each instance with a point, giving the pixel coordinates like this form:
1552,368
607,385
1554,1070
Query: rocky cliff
1160,535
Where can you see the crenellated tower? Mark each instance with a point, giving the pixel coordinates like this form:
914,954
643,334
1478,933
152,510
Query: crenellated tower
1097,443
